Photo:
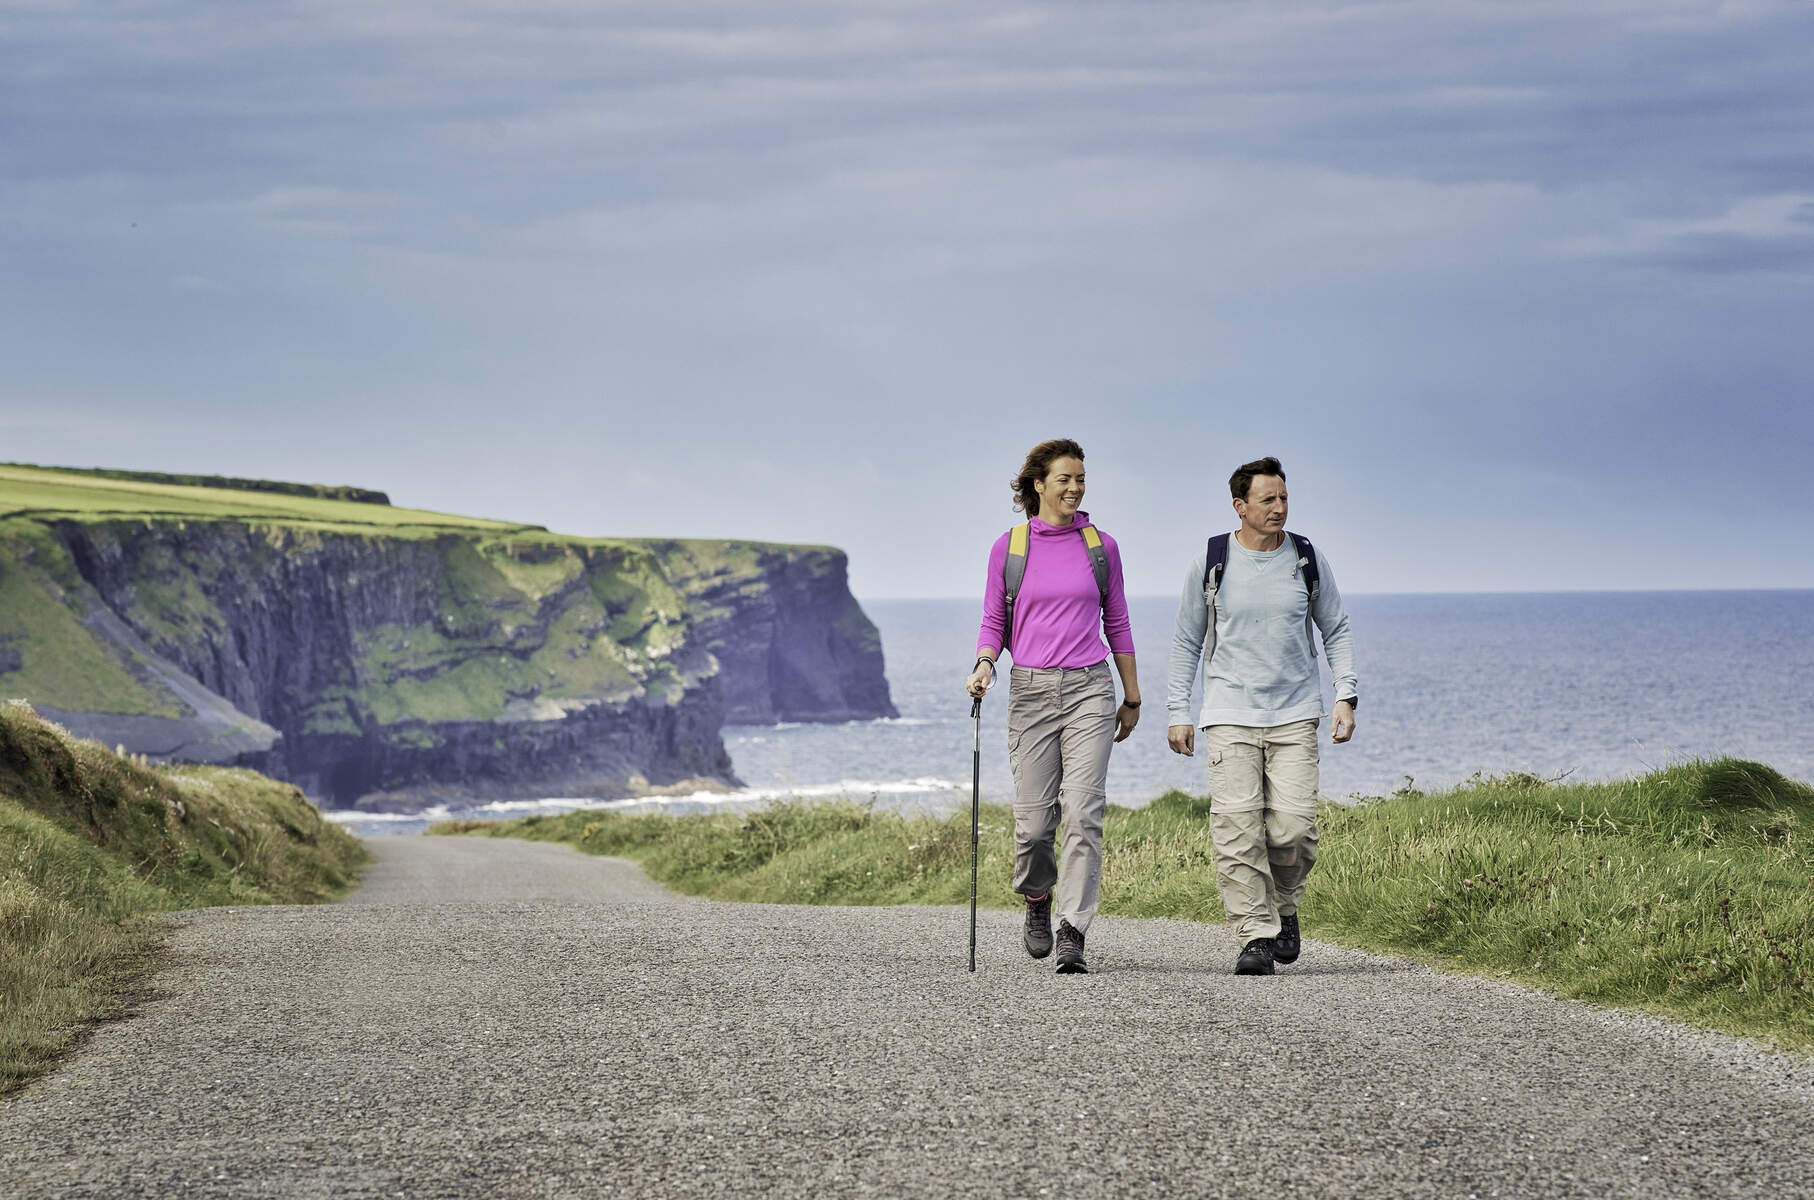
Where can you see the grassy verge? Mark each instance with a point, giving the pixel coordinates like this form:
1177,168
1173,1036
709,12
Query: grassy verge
1687,892
92,843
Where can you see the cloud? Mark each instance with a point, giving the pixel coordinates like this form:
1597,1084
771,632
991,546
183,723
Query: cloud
1402,239
1481,92
1731,253
322,211
1772,234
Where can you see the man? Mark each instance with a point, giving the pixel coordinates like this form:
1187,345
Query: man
1262,703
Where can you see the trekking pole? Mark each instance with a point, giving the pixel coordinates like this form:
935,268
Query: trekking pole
976,799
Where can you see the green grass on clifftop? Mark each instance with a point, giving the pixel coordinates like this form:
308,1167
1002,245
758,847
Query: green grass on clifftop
49,493
93,843
1687,892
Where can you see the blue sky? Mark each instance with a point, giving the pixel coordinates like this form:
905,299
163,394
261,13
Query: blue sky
1519,291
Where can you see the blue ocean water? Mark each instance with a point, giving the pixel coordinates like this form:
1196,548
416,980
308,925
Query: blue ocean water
1592,685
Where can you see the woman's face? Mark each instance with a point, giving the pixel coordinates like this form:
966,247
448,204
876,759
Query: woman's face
1061,491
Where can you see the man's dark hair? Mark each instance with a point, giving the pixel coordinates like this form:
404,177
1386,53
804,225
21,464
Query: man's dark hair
1241,482
1039,459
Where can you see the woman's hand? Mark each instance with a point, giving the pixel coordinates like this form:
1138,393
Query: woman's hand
1125,720
981,678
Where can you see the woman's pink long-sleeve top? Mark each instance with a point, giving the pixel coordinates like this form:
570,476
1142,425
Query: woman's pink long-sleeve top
1059,616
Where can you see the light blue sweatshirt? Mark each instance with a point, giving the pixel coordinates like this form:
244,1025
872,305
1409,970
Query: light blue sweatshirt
1261,670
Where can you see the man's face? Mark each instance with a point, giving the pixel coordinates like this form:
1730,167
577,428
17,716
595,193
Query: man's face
1263,512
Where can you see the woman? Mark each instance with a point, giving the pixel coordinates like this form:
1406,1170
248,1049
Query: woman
1062,713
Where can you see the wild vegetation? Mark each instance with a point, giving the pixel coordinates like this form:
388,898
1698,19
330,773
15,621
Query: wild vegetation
231,483
93,842
1687,892
81,495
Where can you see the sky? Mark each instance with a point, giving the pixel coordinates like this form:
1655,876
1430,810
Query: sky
1518,291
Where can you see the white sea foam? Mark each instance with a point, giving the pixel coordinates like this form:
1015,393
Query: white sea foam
855,789
353,816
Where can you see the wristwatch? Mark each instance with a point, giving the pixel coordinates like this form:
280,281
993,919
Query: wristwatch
1351,701
1130,704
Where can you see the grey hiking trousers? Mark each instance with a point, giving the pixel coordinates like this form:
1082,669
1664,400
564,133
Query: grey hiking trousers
1061,723
1262,819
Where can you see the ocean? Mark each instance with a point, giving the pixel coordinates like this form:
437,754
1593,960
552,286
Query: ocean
1581,685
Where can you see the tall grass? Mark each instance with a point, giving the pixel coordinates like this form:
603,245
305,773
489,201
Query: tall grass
92,842
1688,891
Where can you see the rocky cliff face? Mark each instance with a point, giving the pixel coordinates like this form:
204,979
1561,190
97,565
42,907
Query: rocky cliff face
793,643
364,665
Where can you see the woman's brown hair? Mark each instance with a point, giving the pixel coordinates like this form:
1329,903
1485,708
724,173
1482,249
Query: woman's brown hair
1039,460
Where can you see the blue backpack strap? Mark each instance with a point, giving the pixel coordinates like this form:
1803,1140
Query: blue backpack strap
1215,562
1313,579
1313,582
1099,562
1013,570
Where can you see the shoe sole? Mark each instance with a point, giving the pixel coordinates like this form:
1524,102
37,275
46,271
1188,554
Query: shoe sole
1073,968
1253,971
1045,953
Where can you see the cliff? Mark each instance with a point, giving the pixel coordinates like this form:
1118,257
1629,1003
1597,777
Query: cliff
381,655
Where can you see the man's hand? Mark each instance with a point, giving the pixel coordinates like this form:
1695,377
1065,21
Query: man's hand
1182,739
1125,720
1344,721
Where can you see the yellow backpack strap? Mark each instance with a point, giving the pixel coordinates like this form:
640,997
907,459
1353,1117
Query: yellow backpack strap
1099,561
1013,570
1017,544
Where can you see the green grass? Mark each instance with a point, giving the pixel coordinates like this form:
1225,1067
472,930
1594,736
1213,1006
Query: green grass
232,483
49,493
93,843
61,663
1687,892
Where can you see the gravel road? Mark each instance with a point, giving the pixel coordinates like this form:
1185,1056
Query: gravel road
506,1018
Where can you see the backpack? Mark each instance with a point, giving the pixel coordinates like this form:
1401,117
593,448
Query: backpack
1014,569
1215,562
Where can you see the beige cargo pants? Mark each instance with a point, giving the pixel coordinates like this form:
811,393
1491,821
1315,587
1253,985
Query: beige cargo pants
1262,819
1061,723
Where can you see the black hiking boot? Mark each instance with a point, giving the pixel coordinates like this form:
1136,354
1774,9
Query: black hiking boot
1285,947
1256,958
1038,936
1070,951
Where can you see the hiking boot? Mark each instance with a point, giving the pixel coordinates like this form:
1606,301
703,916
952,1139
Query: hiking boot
1256,958
1038,936
1285,947
1070,951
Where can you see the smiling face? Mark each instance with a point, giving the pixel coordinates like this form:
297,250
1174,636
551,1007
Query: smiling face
1061,491
1263,512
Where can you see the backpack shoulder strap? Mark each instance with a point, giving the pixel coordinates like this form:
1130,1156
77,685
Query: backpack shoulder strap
1013,570
1313,583
1313,580
1099,562
1215,562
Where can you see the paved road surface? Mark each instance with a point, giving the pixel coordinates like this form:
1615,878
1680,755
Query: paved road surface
505,1018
